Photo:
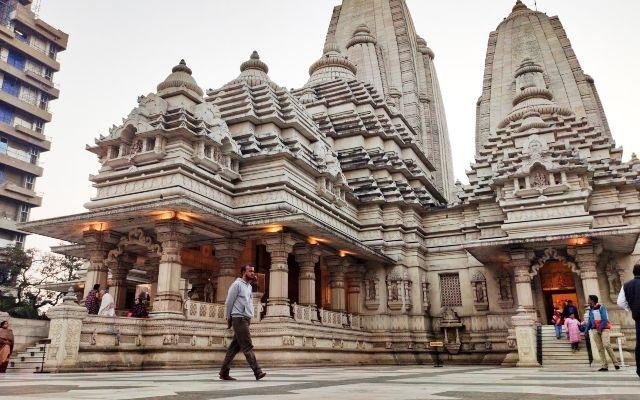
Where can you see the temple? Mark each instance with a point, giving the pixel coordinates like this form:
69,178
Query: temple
341,193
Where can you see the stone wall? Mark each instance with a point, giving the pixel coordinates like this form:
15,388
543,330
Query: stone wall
28,331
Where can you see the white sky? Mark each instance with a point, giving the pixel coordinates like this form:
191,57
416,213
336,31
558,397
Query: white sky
120,49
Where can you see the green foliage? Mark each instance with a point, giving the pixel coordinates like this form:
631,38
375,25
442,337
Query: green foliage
25,272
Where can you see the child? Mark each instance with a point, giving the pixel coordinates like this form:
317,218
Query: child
572,326
556,320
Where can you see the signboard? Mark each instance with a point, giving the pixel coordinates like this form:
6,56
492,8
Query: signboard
436,344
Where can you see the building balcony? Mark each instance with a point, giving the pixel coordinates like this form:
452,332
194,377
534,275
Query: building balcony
24,106
8,36
39,82
18,162
26,135
19,193
27,18
8,224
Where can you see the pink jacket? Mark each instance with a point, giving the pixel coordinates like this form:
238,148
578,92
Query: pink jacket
571,325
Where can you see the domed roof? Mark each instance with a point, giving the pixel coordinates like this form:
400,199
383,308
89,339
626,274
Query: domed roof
362,34
180,78
254,71
332,65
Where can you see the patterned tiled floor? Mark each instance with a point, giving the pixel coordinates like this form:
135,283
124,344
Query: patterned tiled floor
341,383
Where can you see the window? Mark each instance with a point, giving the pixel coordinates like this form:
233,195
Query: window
115,152
38,125
53,50
34,155
29,95
6,114
29,182
11,85
151,144
48,73
207,151
450,294
17,59
44,101
4,144
23,214
2,176
20,35
20,240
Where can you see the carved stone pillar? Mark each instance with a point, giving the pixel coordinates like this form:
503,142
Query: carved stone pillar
168,302
279,246
354,281
119,272
586,258
337,268
522,270
307,256
64,332
97,245
524,321
228,251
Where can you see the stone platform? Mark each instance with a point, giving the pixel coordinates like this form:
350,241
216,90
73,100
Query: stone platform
366,383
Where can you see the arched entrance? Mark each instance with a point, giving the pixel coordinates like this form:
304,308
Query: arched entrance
559,285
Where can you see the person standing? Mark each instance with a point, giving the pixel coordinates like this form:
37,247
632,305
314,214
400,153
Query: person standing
599,321
629,299
139,310
6,345
557,321
107,305
569,309
572,326
92,302
238,312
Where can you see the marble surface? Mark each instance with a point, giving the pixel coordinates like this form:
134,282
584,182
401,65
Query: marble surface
366,383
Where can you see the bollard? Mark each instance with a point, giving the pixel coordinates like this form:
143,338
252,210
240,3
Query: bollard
622,364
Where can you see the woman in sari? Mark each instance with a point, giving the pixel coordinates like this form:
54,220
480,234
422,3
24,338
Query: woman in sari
6,345
139,310
107,305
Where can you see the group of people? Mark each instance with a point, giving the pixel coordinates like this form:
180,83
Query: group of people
101,302
567,318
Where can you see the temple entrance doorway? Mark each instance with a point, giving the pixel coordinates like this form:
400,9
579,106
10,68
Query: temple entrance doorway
558,286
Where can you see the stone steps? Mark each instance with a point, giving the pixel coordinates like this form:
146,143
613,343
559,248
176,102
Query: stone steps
29,360
557,352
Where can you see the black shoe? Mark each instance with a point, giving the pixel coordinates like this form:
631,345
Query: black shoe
226,377
603,369
617,367
260,375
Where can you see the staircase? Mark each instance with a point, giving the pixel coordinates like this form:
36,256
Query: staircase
558,352
29,360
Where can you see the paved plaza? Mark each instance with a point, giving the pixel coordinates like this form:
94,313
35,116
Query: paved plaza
358,383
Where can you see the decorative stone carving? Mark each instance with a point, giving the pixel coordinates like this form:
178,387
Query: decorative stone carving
615,275
64,332
451,325
424,291
479,287
398,289
372,292
505,291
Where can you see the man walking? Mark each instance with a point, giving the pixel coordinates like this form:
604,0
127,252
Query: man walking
599,320
629,299
239,311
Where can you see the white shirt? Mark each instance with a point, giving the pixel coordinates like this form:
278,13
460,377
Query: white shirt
622,301
107,306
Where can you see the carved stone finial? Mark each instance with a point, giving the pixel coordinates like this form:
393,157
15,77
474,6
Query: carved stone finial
180,78
254,63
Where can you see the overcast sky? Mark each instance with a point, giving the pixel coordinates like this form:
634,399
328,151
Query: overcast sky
120,49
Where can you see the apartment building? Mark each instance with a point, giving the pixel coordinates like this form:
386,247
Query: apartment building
28,52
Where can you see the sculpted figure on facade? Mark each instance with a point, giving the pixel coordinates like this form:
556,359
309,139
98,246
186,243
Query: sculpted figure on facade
398,289
372,294
479,286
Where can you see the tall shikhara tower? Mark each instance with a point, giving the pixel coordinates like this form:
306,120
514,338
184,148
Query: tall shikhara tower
528,34
378,36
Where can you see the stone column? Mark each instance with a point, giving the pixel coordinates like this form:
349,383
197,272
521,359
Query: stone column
119,272
586,258
227,252
522,271
64,331
337,268
354,280
168,302
279,246
307,256
97,244
524,322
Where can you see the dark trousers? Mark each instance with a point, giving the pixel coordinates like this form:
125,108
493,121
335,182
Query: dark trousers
638,346
241,342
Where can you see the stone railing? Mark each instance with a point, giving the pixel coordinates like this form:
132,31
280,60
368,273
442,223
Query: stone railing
304,314
339,319
201,311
